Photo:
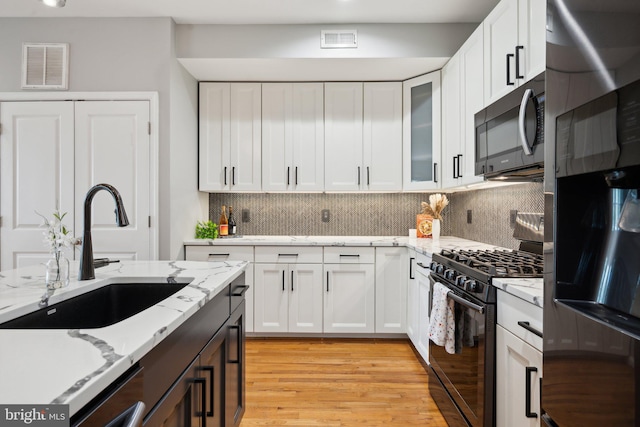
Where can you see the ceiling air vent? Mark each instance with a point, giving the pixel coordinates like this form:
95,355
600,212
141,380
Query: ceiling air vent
338,39
45,65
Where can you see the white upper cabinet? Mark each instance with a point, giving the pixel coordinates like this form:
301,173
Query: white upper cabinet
421,167
463,97
382,134
363,136
230,137
343,136
514,45
292,137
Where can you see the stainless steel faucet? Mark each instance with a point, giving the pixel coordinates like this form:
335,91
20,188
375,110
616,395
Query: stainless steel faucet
87,269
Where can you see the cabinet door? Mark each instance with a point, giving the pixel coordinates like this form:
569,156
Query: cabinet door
37,175
391,290
271,298
307,172
212,369
413,311
112,145
245,137
343,136
532,35
472,101
421,167
235,370
349,298
451,122
277,136
305,300
518,373
214,127
424,298
500,40
382,137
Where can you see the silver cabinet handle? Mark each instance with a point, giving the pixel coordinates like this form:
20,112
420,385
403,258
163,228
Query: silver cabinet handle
521,118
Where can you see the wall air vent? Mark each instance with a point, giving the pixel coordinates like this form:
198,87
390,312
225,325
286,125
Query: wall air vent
330,39
45,66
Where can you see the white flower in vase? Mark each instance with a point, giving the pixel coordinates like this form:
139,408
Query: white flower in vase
57,237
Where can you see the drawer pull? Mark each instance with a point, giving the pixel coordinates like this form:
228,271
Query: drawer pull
527,381
287,254
530,328
239,290
225,255
350,255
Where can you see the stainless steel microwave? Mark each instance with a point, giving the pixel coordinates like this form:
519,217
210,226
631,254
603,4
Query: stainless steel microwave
510,135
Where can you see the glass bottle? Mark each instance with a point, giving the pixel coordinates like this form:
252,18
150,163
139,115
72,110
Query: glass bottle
232,222
223,226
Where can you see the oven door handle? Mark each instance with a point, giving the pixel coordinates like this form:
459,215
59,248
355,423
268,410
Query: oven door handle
468,304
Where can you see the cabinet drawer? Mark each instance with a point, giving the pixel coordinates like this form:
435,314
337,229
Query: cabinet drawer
289,254
512,310
349,255
218,253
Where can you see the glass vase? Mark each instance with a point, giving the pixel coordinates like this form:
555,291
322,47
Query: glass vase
57,271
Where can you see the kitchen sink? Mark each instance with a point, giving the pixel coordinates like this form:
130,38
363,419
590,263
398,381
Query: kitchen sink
101,307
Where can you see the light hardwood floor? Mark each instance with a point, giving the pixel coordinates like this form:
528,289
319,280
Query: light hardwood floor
336,382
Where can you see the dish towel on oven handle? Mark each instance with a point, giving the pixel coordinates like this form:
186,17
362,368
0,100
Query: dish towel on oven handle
442,329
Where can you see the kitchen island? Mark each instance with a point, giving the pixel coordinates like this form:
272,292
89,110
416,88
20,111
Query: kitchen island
39,366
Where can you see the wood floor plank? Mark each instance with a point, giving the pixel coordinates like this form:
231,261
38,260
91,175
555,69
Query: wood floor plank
336,382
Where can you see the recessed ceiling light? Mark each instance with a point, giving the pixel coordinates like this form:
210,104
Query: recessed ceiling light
54,3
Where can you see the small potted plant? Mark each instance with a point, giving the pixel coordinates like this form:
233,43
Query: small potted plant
57,237
428,223
206,230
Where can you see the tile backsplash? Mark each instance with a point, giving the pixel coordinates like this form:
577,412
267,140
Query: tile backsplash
362,214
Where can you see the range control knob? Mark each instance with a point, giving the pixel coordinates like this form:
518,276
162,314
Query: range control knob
433,266
473,286
460,281
439,269
450,274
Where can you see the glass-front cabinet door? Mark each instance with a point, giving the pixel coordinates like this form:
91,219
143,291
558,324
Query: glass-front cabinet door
421,132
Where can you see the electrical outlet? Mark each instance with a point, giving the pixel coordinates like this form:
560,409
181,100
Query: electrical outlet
245,215
469,216
326,215
512,217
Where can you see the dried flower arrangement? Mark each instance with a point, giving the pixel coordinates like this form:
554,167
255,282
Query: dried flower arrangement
437,203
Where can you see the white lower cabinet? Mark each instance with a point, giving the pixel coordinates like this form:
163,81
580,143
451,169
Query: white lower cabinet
349,290
288,294
424,306
391,290
518,362
224,253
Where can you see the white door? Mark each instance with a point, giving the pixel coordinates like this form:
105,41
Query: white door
500,40
424,290
308,136
451,125
472,99
413,319
343,136
271,298
214,129
421,136
391,290
277,134
349,298
518,373
533,35
112,146
305,298
382,136
246,137
36,154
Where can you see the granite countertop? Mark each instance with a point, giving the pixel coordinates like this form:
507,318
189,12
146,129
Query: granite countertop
531,290
73,366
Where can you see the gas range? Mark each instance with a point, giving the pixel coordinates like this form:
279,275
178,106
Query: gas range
473,270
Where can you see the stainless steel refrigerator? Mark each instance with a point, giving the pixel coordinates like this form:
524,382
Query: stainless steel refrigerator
591,370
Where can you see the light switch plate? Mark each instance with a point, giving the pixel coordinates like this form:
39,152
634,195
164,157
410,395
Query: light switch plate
326,215
245,215
469,216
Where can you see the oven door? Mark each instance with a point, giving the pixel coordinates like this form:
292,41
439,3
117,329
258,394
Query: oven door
468,375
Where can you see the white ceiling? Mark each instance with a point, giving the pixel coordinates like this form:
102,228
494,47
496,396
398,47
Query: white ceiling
263,11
